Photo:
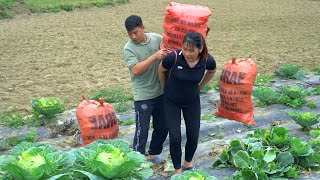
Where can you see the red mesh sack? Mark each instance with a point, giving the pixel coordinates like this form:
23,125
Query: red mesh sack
97,120
235,84
179,19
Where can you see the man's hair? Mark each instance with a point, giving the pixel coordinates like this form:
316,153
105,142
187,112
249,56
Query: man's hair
132,22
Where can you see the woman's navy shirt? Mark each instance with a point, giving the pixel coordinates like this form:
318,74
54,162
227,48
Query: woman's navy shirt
182,86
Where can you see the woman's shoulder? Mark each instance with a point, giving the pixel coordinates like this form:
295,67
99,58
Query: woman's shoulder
174,53
210,57
211,62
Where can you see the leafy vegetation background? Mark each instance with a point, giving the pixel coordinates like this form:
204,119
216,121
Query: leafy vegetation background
70,53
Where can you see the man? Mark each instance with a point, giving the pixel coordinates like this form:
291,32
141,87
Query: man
142,55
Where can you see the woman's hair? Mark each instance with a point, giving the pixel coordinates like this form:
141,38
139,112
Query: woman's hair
196,39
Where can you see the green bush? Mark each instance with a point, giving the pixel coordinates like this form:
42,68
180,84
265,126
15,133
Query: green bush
290,71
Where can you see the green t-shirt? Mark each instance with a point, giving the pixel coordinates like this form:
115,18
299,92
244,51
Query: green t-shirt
147,85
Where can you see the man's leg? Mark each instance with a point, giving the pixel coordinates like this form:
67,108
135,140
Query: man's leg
143,114
160,130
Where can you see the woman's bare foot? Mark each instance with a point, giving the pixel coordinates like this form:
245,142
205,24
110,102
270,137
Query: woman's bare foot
149,157
187,164
177,171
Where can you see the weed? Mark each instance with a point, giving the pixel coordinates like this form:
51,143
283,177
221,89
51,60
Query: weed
117,95
127,122
14,140
316,70
315,91
208,117
123,106
217,136
12,120
209,86
67,7
311,105
264,80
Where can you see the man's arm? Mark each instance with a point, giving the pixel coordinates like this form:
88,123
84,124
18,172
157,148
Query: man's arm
139,68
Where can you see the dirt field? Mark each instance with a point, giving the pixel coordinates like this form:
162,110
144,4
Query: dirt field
68,54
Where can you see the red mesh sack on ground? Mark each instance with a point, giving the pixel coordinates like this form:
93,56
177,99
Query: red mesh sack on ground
97,120
179,19
235,84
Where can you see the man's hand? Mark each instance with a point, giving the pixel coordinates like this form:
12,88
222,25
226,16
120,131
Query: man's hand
159,55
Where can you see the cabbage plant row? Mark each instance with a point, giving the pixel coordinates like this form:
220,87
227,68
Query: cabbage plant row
102,159
271,153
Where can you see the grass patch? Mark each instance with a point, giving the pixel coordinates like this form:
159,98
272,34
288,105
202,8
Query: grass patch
43,6
5,8
36,6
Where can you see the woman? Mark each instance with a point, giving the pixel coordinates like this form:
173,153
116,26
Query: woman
190,69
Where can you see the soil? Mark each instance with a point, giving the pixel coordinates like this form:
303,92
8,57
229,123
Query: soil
67,54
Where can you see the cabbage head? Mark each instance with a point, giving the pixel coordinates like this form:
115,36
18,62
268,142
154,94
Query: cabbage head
193,175
114,157
111,159
31,161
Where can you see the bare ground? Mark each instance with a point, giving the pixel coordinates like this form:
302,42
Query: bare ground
68,54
